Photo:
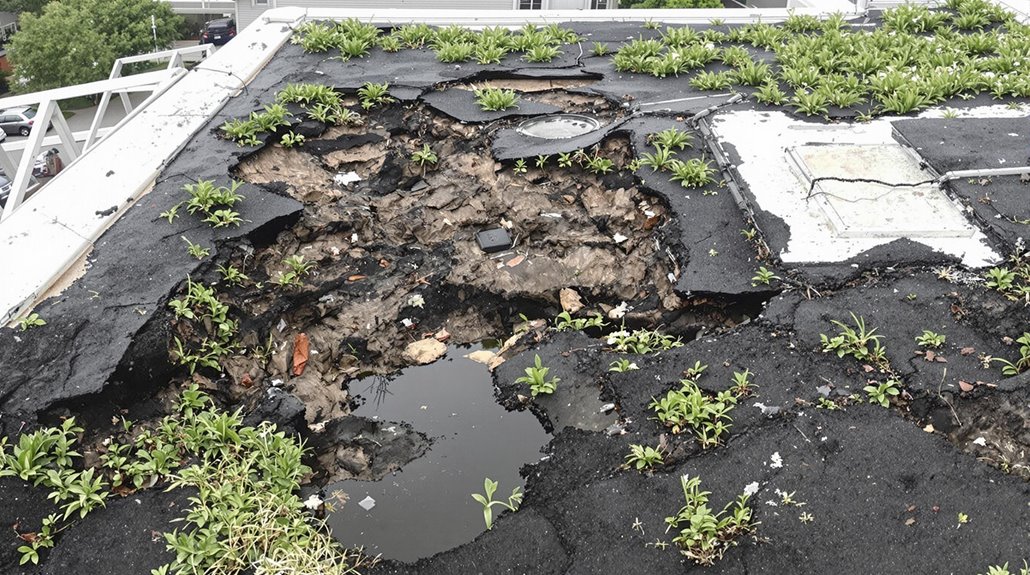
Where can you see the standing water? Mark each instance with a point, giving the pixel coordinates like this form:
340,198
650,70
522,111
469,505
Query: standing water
427,506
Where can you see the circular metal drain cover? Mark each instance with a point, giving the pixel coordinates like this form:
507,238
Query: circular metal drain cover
559,126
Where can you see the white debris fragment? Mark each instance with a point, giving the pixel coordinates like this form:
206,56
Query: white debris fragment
313,502
417,300
344,178
777,461
751,488
277,382
354,238
281,325
506,224
406,322
618,311
980,441
619,238
367,503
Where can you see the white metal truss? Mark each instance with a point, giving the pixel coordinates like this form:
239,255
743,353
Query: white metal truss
48,113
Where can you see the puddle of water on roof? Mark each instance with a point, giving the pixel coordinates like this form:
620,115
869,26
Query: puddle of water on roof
426,507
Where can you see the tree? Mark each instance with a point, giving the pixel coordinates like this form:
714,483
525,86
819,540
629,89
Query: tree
76,41
20,6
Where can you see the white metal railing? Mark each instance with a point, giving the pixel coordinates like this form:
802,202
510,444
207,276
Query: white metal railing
48,113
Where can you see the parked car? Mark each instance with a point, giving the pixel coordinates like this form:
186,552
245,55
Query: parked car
17,121
5,189
218,32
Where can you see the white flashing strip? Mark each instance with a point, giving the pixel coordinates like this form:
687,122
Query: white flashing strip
40,241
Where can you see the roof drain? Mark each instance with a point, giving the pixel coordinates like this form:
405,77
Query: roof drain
558,126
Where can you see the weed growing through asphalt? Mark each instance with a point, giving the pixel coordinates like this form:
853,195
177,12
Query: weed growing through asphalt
742,384
47,457
693,173
209,320
881,393
643,458
763,276
1004,569
931,339
291,139
661,160
486,499
496,99
622,365
520,167
1020,365
30,321
213,202
196,250
690,408
601,49
1013,280
858,342
565,322
232,275
599,165
642,341
703,535
537,380
372,95
671,139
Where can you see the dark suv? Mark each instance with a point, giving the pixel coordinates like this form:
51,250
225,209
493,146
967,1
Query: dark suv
218,32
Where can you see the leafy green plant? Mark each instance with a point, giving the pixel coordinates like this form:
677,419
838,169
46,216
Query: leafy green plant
763,276
196,250
643,458
290,140
690,408
424,157
496,99
565,322
770,93
882,392
541,54
1004,569
742,384
565,160
232,275
372,95
642,341
1021,364
487,501
622,365
599,165
931,339
712,80
541,161
30,321
299,267
601,49
704,536
662,159
811,103
213,202
520,166
536,378
693,173
1001,279
858,342
450,52
672,139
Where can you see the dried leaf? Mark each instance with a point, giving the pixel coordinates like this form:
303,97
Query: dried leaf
910,508
516,261
569,199
384,263
27,537
246,380
356,277
967,350
868,368
301,348
941,359
965,386
930,355
910,521
442,335
929,428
